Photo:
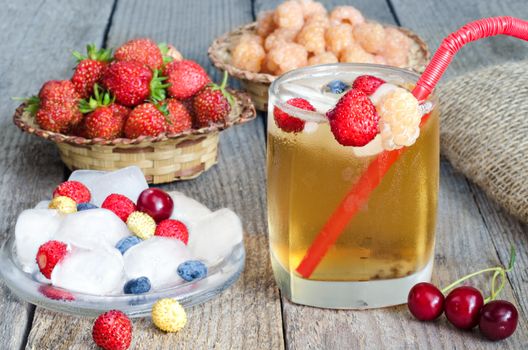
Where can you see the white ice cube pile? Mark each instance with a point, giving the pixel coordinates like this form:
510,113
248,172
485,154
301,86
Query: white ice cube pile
94,265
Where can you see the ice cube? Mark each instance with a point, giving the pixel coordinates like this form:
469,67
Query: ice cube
42,205
158,259
128,181
322,102
34,227
186,209
99,271
86,176
370,149
213,237
91,228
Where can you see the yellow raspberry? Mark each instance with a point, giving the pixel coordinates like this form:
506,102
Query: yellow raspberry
397,47
289,15
248,55
174,53
339,37
371,36
168,315
356,54
346,14
265,23
319,19
65,205
279,37
312,37
141,224
311,8
322,58
285,57
400,117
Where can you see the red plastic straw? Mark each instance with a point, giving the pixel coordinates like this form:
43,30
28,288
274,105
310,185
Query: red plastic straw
361,190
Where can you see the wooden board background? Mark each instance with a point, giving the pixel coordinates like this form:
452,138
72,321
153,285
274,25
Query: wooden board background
472,231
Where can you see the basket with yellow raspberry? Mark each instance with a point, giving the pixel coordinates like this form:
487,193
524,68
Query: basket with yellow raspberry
299,33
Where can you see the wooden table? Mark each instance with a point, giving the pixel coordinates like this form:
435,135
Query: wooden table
472,231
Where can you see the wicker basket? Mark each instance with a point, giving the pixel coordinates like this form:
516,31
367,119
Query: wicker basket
164,158
257,84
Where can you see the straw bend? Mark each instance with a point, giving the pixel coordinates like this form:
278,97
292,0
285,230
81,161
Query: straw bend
473,31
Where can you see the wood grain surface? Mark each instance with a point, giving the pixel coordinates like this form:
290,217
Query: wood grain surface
472,231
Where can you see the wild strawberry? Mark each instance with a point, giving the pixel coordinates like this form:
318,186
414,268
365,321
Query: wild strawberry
48,256
89,69
112,331
185,77
132,82
212,104
55,293
287,122
142,50
121,205
145,120
367,83
354,120
74,190
121,113
173,229
56,107
179,118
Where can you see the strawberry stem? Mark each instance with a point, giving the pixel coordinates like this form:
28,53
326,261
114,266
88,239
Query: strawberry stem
164,48
223,89
92,53
157,87
102,99
498,271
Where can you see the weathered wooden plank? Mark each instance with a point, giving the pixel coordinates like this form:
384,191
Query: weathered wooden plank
248,315
238,319
38,38
434,20
462,246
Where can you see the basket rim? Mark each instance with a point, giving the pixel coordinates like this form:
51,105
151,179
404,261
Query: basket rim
217,61
242,99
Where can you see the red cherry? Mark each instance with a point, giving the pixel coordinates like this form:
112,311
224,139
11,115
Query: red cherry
156,203
498,319
462,307
425,301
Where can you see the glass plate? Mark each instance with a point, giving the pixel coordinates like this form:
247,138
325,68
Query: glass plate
34,289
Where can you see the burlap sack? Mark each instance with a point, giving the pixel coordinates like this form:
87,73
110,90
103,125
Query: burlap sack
484,131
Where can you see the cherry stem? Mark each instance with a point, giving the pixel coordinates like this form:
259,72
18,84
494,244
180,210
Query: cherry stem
498,271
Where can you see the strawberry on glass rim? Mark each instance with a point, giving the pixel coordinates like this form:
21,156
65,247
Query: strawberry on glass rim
290,123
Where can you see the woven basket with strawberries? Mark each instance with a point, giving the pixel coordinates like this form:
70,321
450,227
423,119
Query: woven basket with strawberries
300,33
144,105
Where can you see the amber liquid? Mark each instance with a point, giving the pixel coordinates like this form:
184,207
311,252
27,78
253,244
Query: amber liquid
392,236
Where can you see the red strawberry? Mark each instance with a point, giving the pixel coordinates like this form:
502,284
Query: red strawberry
173,229
48,256
287,122
145,120
179,117
367,83
112,331
185,77
142,50
121,113
101,121
132,83
89,69
55,293
74,190
212,104
56,106
121,206
354,120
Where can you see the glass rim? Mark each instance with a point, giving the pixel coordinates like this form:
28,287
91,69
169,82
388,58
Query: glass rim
319,117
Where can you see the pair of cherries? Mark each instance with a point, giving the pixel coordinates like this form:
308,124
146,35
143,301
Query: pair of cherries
465,306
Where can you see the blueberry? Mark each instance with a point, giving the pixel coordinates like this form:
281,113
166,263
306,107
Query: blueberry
86,206
192,269
137,286
337,86
125,243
